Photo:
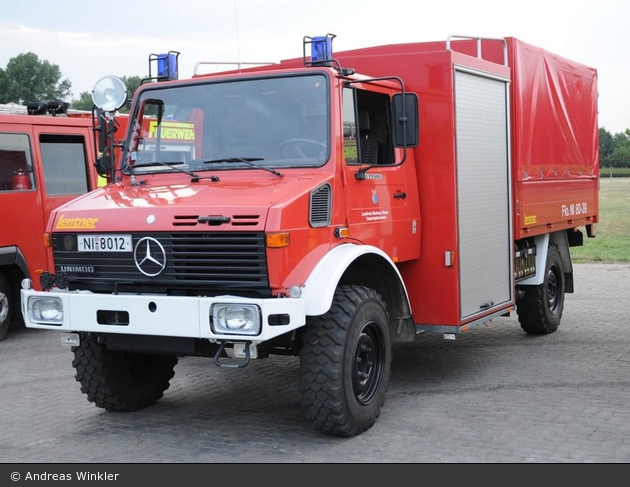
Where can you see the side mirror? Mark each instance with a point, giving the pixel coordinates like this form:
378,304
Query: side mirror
102,126
405,120
104,164
101,129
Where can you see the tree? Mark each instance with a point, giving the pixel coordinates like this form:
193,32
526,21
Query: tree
621,156
132,82
606,146
614,150
620,138
3,84
27,79
84,102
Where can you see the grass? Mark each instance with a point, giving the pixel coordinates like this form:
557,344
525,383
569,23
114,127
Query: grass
612,234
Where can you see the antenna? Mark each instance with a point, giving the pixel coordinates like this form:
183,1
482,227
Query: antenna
238,43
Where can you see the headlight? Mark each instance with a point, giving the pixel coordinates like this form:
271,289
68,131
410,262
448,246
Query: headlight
48,310
233,319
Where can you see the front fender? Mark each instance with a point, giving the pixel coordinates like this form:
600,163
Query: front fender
13,255
319,288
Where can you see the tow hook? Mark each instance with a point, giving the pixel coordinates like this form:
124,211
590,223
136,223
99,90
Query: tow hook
221,350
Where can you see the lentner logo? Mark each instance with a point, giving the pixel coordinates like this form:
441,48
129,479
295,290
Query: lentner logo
79,222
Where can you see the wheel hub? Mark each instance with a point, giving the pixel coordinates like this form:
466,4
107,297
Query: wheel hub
4,307
552,290
368,365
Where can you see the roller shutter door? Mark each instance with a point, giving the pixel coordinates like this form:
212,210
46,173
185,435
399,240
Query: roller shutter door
483,189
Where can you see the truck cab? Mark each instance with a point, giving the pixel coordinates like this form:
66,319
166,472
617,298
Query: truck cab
46,159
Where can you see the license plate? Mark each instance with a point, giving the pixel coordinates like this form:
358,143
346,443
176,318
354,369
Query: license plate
104,243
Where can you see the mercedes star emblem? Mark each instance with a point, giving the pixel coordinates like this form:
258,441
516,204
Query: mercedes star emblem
149,256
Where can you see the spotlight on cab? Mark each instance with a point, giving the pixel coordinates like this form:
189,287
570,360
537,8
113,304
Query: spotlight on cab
109,93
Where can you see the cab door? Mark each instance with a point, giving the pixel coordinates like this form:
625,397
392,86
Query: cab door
378,200
67,168
21,218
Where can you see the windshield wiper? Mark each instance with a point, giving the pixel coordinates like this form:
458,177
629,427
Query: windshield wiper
194,176
246,160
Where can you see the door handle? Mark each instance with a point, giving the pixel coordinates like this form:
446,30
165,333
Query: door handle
400,194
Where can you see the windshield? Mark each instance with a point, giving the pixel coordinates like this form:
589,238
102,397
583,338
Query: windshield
276,122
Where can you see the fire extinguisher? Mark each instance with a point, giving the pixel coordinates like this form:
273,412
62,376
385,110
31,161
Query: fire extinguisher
20,180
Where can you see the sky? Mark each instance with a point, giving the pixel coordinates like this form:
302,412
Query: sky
89,40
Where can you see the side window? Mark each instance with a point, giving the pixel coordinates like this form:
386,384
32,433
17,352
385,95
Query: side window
350,143
64,161
16,168
366,126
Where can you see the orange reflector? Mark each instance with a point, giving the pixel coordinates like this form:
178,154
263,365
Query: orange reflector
278,240
47,240
342,232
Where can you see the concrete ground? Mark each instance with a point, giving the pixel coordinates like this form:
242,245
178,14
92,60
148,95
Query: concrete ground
494,395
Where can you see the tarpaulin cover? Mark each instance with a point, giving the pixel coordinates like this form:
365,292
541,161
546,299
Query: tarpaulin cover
555,129
554,106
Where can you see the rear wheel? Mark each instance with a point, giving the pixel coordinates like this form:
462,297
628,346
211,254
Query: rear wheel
346,363
540,308
121,381
5,306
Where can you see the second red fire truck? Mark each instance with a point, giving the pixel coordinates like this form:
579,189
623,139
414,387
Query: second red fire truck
47,158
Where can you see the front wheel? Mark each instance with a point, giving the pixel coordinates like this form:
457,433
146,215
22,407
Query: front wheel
346,363
121,381
540,308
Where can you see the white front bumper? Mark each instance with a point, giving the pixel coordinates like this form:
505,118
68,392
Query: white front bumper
161,315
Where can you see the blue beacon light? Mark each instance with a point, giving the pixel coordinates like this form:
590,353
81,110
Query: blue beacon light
167,67
321,48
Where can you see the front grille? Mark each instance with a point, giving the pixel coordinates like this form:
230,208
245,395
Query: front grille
196,263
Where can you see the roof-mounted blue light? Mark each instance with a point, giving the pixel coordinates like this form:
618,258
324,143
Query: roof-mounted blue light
167,65
321,50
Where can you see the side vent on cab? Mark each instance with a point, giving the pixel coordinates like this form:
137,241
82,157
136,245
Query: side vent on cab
319,214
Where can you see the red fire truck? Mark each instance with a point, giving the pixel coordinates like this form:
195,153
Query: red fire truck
327,206
47,158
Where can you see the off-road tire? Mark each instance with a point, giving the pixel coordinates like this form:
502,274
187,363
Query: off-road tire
540,308
346,363
121,381
6,306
